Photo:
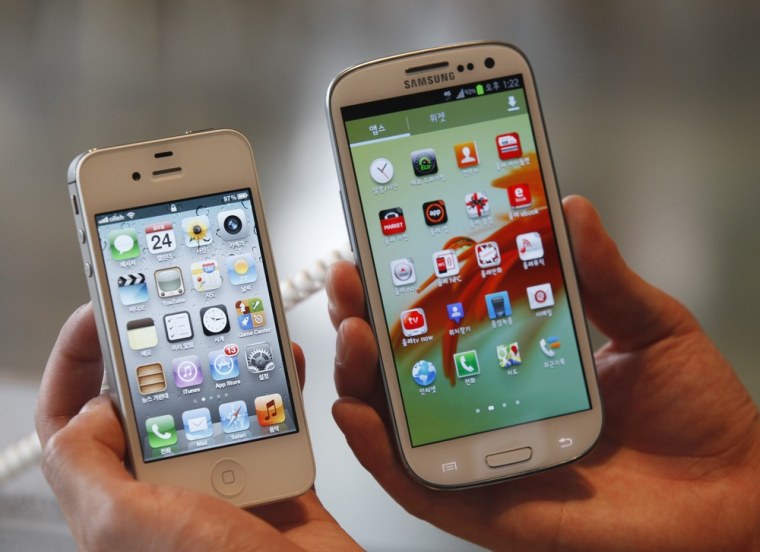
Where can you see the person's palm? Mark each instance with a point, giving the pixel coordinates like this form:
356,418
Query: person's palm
678,462
107,509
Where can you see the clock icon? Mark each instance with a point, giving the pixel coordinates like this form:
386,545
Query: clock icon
381,170
215,320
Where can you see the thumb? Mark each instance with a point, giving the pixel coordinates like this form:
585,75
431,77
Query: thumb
628,310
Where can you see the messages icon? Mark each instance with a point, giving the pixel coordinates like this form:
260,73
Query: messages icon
123,244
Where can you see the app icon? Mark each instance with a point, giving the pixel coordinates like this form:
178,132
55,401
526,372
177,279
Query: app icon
259,358
169,282
269,409
424,162
250,313
413,322
196,231
466,154
519,196
223,363
549,345
423,373
197,424
205,275
123,244
508,355
529,246
160,237
498,305
187,371
142,334
508,146
132,288
445,263
234,416
381,170
540,296
214,320
435,212
402,272
477,205
161,431
392,221
150,378
241,269
467,364
487,254
456,312
178,327
232,224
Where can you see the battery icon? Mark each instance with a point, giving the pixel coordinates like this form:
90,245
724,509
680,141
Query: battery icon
242,195
479,89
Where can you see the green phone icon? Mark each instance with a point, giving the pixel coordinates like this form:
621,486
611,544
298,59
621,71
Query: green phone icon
467,364
161,431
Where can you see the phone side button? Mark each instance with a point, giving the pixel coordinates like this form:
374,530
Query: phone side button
228,477
508,457
88,270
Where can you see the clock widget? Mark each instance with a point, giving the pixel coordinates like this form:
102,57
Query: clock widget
215,320
381,170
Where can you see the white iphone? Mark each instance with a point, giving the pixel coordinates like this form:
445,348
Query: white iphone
456,221
189,316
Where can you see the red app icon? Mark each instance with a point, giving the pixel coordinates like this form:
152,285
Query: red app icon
508,146
392,221
519,196
413,322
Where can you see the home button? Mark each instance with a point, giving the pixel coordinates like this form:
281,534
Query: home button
228,477
505,458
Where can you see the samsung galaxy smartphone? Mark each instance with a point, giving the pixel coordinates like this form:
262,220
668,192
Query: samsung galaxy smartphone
188,311
456,221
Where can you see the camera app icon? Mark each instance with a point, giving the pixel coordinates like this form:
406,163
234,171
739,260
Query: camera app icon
232,225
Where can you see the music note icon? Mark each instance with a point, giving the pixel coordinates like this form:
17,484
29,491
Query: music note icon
187,371
269,409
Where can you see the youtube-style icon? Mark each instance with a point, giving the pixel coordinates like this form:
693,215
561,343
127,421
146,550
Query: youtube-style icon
413,322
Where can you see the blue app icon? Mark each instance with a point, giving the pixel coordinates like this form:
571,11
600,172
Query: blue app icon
197,424
234,416
423,373
223,363
456,312
133,289
498,305
241,269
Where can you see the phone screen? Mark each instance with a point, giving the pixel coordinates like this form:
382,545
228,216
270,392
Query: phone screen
455,207
199,338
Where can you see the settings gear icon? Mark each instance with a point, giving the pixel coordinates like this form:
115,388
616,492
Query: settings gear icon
258,358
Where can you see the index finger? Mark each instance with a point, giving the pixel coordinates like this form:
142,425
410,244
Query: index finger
344,292
73,374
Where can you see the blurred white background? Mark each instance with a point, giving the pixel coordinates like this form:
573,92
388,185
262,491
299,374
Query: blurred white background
652,110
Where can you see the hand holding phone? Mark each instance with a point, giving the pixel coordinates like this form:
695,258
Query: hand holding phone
107,509
670,398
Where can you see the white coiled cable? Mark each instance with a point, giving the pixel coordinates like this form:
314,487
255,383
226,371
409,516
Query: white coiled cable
26,451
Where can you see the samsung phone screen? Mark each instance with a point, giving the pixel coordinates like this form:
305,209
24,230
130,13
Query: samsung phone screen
464,249
195,321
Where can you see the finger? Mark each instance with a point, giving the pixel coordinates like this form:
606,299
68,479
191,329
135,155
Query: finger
73,375
372,444
344,292
84,455
300,363
357,373
631,312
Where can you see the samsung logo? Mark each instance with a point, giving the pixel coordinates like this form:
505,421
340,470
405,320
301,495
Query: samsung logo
430,79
